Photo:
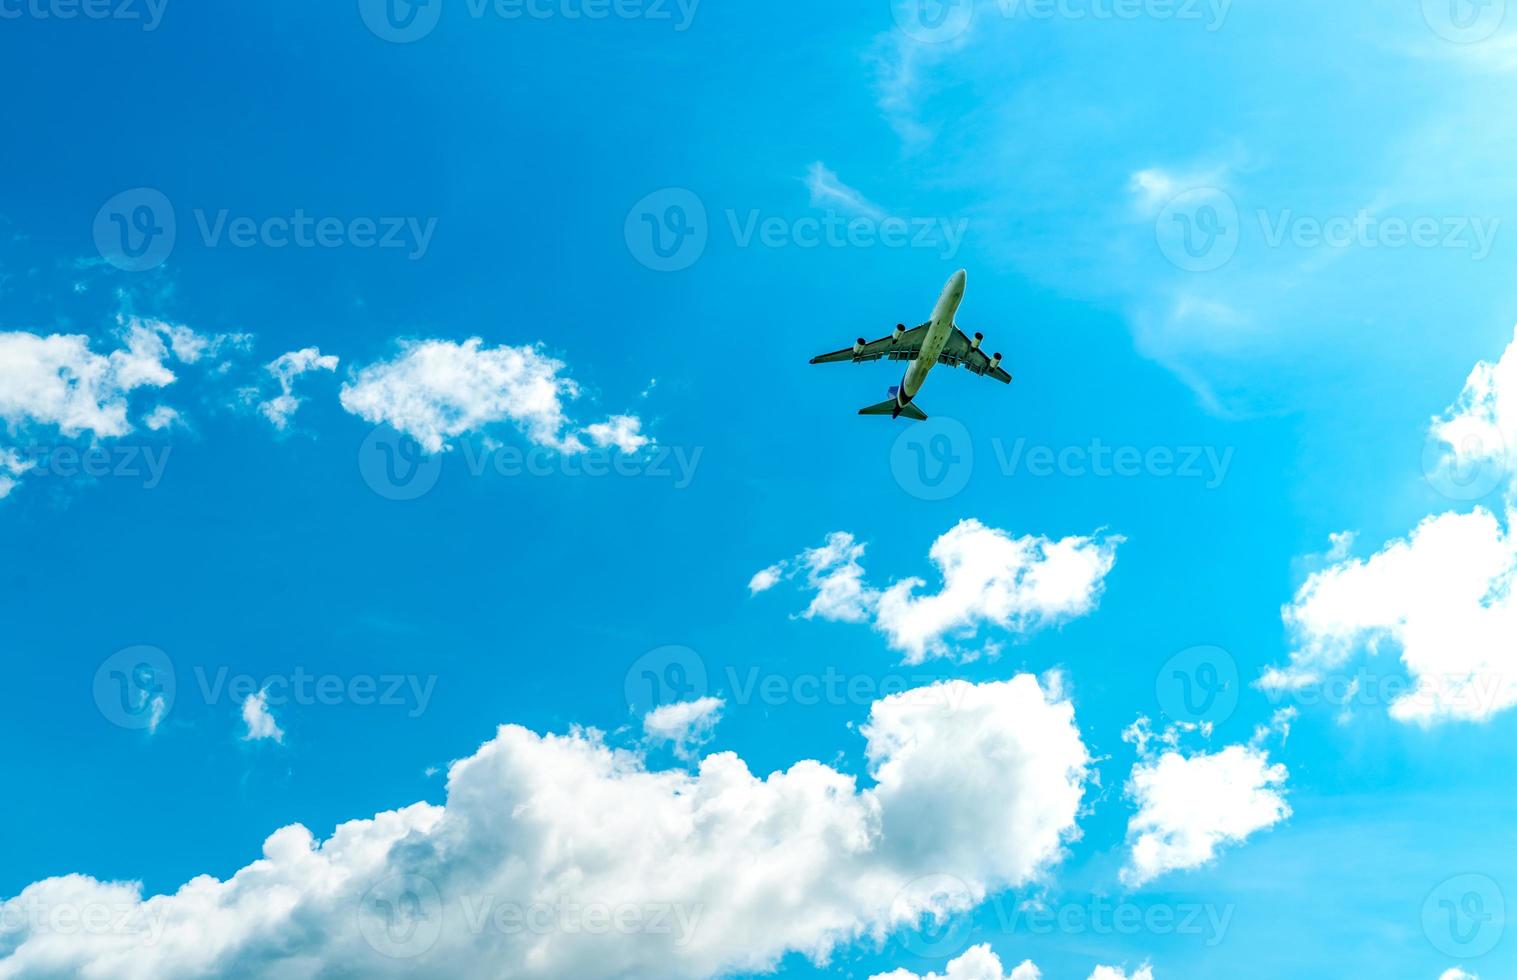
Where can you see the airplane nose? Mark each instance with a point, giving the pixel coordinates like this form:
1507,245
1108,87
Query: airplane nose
958,280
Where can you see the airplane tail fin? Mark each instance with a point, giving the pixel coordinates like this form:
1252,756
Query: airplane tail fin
889,407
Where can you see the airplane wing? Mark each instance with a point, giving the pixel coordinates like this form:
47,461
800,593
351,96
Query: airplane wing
904,349
961,351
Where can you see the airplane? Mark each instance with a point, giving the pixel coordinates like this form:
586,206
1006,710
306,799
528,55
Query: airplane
938,341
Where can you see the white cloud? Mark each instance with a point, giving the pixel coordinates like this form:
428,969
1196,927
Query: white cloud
1154,187
622,431
285,369
1442,597
1454,973
260,723
12,465
766,578
1192,805
436,390
977,963
57,380
717,870
989,578
58,384
1144,972
1480,428
980,963
687,724
162,417
827,191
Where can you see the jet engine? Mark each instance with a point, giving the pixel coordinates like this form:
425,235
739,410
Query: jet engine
858,346
900,328
975,343
995,362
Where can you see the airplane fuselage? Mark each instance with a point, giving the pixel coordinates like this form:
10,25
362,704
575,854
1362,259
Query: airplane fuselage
939,329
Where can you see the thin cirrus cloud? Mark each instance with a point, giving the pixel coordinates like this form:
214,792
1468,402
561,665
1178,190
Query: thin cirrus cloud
1192,805
981,963
1442,597
723,871
437,390
989,578
827,191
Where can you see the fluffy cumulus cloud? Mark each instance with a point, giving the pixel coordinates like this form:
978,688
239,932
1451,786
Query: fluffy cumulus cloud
58,385
437,390
625,432
285,369
686,725
1479,430
1144,972
1441,598
1191,805
980,963
560,855
988,578
260,723
58,380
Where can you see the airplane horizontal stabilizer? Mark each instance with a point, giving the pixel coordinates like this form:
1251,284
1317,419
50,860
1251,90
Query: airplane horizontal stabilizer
888,407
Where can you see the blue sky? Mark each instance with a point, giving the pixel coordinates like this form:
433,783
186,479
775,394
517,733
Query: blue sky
1240,257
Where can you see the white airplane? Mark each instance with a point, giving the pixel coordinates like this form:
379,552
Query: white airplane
938,341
